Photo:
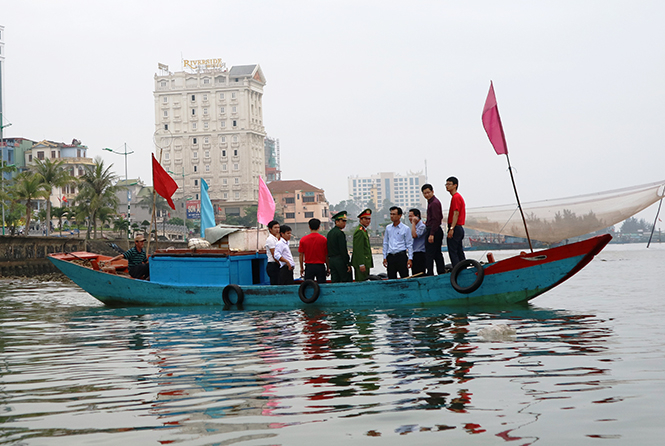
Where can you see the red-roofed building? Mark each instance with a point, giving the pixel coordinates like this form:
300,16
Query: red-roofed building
299,202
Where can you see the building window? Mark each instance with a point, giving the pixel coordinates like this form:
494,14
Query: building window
52,154
206,140
290,200
235,138
205,111
308,199
193,112
235,166
206,153
162,84
235,123
40,155
166,113
166,156
234,109
196,169
193,125
205,125
221,110
195,154
196,183
236,180
207,167
237,195
224,153
221,96
206,81
193,98
222,124
224,140
165,99
194,141
166,126
309,214
233,94
226,195
224,167
290,215
29,158
235,152
225,181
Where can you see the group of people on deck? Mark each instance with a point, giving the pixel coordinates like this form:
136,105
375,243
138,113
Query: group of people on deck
416,248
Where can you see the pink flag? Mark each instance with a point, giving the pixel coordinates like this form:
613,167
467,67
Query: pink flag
492,123
266,209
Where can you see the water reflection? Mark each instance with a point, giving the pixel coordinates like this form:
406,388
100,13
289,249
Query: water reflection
185,374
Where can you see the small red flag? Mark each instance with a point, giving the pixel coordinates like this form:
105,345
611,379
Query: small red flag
64,199
492,123
164,184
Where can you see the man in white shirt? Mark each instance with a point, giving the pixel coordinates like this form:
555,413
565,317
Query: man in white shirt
397,246
272,268
283,255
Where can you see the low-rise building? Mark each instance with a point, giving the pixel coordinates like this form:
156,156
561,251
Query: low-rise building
299,202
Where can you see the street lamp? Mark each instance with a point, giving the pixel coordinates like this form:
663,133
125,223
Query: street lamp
129,193
2,173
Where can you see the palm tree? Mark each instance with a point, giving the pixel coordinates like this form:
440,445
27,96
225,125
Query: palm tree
105,215
97,190
51,174
121,225
59,213
29,187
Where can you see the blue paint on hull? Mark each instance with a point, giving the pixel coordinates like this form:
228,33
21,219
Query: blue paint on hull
507,287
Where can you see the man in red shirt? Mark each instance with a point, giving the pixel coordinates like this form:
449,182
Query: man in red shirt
313,250
456,219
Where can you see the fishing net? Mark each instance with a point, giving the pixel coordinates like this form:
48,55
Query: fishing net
552,221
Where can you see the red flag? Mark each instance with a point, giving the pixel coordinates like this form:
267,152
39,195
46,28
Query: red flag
64,199
492,123
164,184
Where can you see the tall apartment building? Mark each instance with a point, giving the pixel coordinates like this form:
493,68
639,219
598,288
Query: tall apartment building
213,117
273,169
400,190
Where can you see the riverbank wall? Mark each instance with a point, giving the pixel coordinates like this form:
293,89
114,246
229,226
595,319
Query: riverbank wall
27,256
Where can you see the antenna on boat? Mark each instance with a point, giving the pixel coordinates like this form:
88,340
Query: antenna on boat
492,124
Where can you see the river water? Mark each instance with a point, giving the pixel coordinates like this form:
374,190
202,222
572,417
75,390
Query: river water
582,364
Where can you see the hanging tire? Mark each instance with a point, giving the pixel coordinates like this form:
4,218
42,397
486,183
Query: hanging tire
461,266
316,290
236,289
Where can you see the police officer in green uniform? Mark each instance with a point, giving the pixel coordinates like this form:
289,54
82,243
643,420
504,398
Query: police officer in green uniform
361,259
338,254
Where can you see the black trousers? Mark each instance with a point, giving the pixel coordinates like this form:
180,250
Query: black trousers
272,269
140,271
315,271
455,247
419,263
285,276
433,252
397,263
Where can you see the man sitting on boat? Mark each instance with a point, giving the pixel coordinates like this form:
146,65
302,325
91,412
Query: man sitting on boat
137,261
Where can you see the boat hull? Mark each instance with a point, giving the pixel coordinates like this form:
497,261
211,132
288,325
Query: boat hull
514,280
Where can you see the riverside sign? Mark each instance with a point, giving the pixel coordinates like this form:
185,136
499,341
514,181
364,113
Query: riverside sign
204,63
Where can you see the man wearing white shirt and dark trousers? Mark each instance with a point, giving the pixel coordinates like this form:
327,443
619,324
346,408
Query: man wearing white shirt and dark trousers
397,246
283,255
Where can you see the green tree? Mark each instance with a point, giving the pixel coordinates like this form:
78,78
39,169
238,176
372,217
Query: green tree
59,213
51,174
121,225
248,220
28,188
97,190
105,215
176,221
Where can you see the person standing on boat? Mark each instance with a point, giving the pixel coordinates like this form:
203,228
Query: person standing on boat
434,233
313,249
397,246
419,264
137,261
283,255
456,220
338,254
272,268
361,259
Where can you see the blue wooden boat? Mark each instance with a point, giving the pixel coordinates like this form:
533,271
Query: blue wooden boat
213,277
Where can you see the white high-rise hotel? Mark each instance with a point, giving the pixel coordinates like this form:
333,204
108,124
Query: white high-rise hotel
403,191
213,117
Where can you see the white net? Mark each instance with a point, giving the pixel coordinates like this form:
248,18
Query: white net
552,221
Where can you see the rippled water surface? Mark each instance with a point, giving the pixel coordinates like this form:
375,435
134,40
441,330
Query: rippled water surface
585,363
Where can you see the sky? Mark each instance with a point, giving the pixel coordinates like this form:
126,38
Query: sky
361,87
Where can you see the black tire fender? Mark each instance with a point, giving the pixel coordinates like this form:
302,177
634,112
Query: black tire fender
461,266
303,287
236,289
